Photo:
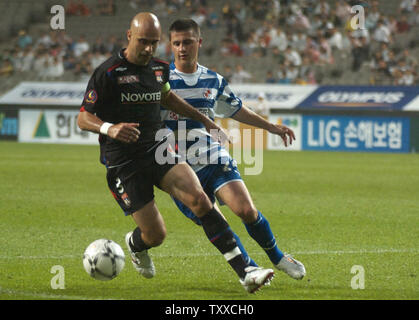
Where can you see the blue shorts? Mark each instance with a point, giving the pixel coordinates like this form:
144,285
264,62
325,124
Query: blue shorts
212,178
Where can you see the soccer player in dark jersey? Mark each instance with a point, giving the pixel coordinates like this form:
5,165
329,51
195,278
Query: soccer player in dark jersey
122,104
210,93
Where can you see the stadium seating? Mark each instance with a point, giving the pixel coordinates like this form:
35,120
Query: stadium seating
34,16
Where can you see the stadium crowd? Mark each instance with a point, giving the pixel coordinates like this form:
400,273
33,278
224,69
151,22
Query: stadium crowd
300,37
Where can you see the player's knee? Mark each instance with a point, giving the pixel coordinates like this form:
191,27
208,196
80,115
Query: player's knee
247,213
200,203
155,238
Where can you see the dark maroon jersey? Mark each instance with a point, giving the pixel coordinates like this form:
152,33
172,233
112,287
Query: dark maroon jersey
120,91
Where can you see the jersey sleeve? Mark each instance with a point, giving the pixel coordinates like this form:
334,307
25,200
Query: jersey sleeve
166,75
227,104
95,95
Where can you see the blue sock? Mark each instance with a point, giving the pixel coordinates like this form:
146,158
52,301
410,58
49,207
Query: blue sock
246,257
261,232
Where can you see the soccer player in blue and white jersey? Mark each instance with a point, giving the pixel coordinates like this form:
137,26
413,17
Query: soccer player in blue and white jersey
209,92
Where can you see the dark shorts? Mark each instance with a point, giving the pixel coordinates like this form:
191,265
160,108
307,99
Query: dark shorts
132,184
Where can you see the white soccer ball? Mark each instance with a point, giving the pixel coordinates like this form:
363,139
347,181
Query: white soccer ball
103,259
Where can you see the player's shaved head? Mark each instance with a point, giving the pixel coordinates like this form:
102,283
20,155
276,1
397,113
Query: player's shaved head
145,22
143,37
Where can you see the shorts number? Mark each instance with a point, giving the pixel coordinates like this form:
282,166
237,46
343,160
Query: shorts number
119,186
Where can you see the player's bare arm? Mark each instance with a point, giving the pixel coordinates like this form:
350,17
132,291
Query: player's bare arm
124,132
172,101
247,116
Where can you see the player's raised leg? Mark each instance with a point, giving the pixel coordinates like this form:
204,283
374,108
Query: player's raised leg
236,196
182,183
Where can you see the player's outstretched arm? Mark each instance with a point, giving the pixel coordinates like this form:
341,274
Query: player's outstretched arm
247,116
124,132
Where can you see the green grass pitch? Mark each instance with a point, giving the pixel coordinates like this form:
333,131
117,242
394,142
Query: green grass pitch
332,211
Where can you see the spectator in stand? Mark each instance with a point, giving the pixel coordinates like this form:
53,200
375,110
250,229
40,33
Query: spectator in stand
402,25
312,50
282,75
240,75
397,77
23,39
326,56
335,38
360,52
382,33
212,19
372,16
55,68
228,73
41,63
385,52
392,24
381,74
343,10
77,8
299,41
250,46
407,6
6,68
81,46
69,62
227,12
240,12
306,71
45,40
259,10
97,58
71,8
83,70
27,59
99,46
322,8
270,77
163,49
414,16
302,22
230,48
292,56
111,44
291,73
408,78
279,40
198,15
106,7
261,107
392,61
235,29
411,61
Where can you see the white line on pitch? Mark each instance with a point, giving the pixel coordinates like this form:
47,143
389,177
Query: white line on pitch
163,255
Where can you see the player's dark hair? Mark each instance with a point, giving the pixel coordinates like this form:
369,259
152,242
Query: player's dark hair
185,25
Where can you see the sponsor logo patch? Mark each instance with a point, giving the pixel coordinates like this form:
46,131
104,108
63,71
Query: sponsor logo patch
128,79
159,76
91,96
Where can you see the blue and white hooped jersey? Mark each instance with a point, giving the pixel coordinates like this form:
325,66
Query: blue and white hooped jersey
208,92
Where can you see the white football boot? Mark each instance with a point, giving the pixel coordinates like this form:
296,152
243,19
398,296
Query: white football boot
141,260
256,277
294,268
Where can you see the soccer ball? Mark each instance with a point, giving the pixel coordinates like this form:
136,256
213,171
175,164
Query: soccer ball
103,259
